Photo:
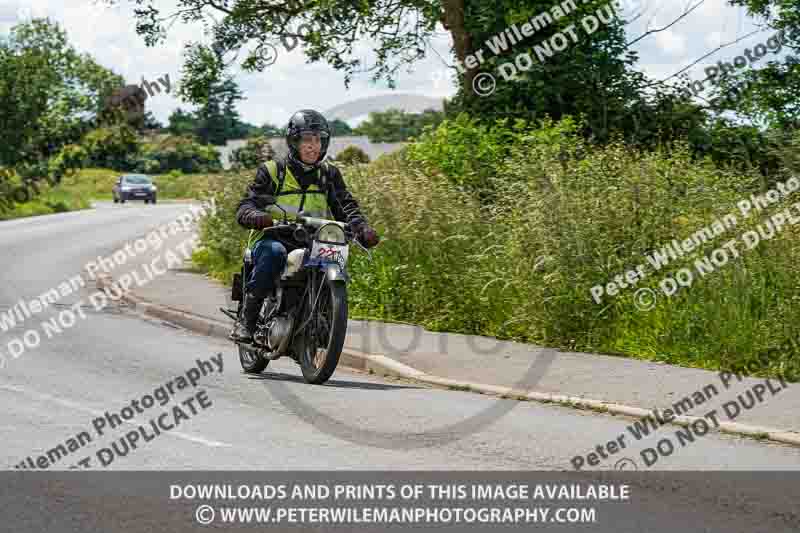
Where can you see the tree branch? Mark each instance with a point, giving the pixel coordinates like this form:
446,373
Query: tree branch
645,34
717,49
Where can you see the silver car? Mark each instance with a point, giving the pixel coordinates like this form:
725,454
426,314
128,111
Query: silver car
134,187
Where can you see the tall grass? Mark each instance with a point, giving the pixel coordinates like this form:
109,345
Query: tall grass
562,217
566,217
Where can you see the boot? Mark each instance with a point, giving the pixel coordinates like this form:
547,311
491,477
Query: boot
246,327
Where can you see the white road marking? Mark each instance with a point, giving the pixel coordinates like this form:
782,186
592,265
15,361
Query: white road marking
79,407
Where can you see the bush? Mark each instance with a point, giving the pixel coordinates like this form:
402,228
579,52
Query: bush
465,151
251,155
175,153
109,146
565,217
352,155
222,238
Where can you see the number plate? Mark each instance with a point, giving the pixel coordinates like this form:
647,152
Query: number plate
330,252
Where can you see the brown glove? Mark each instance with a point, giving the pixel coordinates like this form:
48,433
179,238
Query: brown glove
262,220
368,236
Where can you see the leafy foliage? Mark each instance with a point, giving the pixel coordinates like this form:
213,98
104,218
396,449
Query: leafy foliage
251,155
395,125
47,92
168,153
340,128
352,155
466,150
216,121
327,31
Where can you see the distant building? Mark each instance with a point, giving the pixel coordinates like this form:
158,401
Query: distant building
338,144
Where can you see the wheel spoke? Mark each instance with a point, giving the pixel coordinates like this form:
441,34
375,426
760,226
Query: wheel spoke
319,331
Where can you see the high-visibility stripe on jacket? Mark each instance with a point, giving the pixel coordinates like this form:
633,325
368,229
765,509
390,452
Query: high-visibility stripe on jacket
313,200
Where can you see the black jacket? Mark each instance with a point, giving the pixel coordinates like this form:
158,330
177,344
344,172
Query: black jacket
342,204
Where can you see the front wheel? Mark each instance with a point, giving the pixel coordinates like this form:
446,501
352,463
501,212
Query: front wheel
251,359
325,333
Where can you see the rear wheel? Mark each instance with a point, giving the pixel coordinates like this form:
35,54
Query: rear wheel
325,333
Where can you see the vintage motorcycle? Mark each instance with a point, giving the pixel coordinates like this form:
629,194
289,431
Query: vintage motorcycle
306,316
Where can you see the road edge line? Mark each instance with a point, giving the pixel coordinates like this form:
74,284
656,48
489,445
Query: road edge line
381,364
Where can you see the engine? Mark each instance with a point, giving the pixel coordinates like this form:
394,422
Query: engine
278,330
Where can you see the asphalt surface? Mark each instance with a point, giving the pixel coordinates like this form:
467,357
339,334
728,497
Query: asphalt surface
55,391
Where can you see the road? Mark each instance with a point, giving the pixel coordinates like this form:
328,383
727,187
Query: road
269,422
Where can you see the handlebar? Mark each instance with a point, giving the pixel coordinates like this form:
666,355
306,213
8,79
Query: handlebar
319,222
316,223
301,221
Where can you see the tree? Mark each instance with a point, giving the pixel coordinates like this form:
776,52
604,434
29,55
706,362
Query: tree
182,123
217,117
340,127
50,95
217,120
151,122
395,125
328,31
594,75
270,130
768,95
352,155
256,151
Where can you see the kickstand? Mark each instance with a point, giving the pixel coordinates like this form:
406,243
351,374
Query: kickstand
230,313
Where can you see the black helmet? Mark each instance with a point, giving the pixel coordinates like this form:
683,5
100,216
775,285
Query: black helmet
307,121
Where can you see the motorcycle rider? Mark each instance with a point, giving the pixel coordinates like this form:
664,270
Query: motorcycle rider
301,180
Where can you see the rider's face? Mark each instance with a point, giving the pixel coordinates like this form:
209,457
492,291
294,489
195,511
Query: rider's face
310,147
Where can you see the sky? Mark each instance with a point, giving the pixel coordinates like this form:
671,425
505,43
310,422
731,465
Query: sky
109,35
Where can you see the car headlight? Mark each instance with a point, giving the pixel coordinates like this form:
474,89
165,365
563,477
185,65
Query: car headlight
153,188
125,188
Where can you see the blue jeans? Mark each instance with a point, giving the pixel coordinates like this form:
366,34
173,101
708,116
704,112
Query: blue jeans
269,260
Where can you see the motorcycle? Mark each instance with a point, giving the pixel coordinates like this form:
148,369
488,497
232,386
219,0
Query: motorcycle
306,316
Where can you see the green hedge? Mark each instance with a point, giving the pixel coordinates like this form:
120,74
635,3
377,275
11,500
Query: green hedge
565,216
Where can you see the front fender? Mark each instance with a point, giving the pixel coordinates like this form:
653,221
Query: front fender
334,272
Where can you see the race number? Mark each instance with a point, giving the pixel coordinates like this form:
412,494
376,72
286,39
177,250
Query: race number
330,252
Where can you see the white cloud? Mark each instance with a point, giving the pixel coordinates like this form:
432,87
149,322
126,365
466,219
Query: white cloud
714,39
671,42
